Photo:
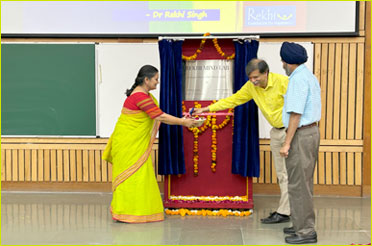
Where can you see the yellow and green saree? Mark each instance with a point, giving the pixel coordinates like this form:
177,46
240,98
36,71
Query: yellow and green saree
136,196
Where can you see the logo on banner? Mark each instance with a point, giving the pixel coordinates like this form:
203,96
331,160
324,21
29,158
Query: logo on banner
270,15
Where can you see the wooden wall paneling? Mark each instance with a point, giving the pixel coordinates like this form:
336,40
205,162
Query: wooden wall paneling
109,165
337,92
350,168
3,174
15,165
351,92
328,168
344,89
330,91
53,165
73,162
40,166
315,177
274,177
321,174
366,187
317,59
323,86
335,168
8,165
21,165
262,169
47,165
318,63
97,162
66,165
92,177
104,169
343,168
85,166
33,165
79,165
59,165
358,168
267,178
359,92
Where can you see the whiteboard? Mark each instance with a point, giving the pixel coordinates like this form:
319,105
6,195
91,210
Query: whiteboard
270,52
117,68
118,65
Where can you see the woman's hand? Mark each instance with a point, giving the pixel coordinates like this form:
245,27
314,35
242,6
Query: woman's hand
189,122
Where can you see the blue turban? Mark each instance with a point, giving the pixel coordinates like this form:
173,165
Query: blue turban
293,53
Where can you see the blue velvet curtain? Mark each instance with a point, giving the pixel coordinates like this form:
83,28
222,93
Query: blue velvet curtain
171,155
246,154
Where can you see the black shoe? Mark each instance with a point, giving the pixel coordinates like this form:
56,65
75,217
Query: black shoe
275,218
289,230
297,239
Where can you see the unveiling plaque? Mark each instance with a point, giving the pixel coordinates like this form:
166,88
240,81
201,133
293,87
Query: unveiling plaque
208,79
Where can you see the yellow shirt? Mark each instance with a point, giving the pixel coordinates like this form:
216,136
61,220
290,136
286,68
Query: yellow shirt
270,100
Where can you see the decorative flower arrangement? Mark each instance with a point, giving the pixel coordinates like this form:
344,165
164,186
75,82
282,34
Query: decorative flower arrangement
208,212
219,50
201,46
209,198
216,127
198,51
211,122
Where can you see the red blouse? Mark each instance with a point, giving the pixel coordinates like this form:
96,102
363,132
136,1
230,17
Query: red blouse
144,102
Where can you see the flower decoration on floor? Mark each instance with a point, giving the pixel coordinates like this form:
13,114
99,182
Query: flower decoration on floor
209,198
208,212
211,122
201,46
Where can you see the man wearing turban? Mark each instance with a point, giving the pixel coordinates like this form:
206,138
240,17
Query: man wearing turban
301,112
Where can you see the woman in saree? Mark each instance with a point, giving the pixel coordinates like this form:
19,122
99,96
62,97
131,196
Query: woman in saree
136,196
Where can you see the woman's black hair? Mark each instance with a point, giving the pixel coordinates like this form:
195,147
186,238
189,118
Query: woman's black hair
146,71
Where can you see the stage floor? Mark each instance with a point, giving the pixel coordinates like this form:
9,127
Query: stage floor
84,218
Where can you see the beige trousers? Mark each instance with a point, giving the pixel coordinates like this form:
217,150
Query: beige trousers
277,139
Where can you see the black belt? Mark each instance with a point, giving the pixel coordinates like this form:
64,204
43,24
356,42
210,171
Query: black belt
280,128
307,126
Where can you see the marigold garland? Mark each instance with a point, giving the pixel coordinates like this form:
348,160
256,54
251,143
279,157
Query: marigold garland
211,122
201,46
207,212
198,51
219,50
209,198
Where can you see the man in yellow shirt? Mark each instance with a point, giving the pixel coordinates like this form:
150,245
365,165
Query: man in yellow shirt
267,90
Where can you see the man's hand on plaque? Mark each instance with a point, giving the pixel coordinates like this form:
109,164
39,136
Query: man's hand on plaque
198,110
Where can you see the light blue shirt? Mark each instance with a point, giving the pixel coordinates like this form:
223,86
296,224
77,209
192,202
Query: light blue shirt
302,97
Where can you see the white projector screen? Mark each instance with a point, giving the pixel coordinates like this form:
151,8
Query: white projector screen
154,18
